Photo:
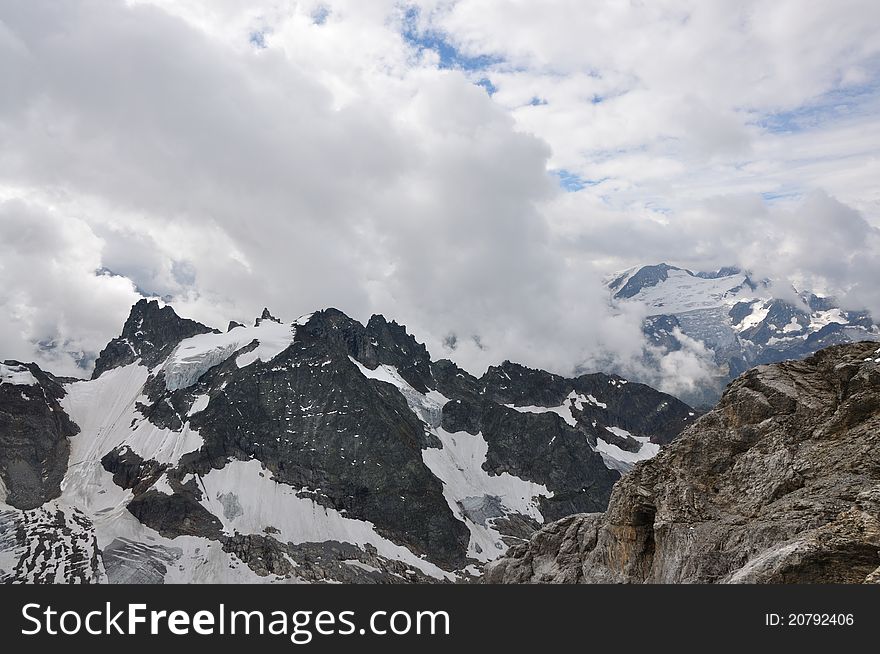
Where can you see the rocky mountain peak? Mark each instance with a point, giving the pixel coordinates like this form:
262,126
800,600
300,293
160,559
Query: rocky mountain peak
266,315
34,432
149,334
626,286
511,383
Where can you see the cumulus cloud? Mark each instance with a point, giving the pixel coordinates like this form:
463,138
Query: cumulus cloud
56,309
299,155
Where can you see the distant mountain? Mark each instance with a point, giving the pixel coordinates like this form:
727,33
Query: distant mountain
777,484
317,450
736,317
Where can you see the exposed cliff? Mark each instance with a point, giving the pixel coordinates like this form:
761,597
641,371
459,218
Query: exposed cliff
780,483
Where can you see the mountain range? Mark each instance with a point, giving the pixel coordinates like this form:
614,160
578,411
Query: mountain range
316,450
736,317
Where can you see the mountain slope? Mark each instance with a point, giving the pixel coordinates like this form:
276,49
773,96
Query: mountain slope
780,483
34,433
321,449
735,317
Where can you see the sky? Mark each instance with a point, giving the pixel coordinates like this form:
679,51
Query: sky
472,168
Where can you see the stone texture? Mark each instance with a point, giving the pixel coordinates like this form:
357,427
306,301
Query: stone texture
325,562
150,334
34,432
780,483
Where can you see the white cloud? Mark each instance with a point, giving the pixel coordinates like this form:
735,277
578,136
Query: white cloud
308,154
56,310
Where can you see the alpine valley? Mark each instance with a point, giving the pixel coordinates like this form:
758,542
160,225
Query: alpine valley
321,450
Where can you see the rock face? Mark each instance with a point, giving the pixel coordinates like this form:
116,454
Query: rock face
780,483
318,450
34,432
149,335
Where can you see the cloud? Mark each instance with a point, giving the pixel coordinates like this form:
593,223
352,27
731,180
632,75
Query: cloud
56,308
350,156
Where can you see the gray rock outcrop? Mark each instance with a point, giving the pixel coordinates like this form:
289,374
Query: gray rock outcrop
780,483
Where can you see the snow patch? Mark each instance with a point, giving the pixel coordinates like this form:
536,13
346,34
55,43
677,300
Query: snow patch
104,409
820,319
360,564
793,326
682,292
199,404
647,450
459,465
428,408
263,503
163,486
17,375
194,356
564,410
596,402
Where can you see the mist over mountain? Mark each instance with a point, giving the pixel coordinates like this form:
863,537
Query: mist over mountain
730,322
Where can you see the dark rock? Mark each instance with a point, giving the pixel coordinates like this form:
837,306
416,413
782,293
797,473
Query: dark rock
647,276
34,433
542,448
131,471
461,415
266,316
175,515
315,422
149,334
740,310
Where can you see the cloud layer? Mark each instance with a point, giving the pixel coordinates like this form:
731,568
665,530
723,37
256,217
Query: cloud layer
471,169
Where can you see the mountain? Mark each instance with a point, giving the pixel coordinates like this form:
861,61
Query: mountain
780,483
736,317
317,450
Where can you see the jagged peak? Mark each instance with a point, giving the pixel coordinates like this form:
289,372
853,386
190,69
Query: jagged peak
266,315
150,332
16,373
508,367
378,324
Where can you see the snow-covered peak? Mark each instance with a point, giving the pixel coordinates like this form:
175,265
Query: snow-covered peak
670,290
17,375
